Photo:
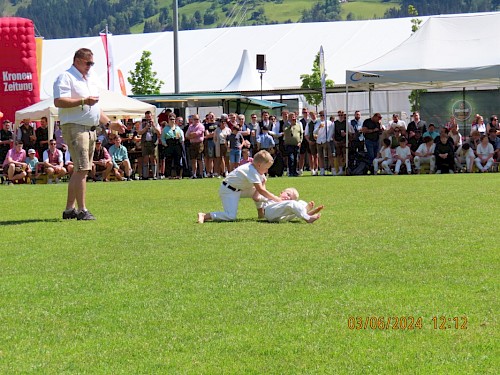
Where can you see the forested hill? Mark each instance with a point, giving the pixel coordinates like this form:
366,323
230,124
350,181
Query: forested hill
76,18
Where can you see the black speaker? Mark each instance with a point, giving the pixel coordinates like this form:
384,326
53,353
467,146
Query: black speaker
261,62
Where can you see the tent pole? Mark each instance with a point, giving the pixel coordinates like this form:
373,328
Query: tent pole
347,126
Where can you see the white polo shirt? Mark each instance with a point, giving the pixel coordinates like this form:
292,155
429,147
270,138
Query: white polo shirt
71,84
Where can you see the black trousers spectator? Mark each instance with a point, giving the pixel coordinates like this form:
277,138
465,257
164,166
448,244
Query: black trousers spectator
173,156
445,165
292,153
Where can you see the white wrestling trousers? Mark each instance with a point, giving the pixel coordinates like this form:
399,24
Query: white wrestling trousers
398,166
419,160
385,165
286,211
230,200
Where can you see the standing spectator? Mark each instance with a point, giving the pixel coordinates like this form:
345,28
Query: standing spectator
323,135
484,154
172,138
76,96
396,122
311,126
235,141
6,139
101,162
220,138
42,136
292,138
196,134
304,146
358,142
417,123
26,133
265,140
371,130
445,157
58,136
251,132
340,135
149,137
53,163
209,146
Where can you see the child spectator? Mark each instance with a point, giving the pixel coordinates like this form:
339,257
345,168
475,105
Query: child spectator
32,162
403,155
235,140
425,154
265,141
385,157
245,156
242,183
464,154
288,209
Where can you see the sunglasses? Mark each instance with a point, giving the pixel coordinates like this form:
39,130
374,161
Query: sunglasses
89,63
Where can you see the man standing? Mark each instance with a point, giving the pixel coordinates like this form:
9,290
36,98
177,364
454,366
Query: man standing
371,130
416,124
304,146
77,98
42,136
293,135
358,143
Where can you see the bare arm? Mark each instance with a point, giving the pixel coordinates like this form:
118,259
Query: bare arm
262,191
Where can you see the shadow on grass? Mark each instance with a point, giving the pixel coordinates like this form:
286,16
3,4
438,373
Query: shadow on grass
28,221
260,221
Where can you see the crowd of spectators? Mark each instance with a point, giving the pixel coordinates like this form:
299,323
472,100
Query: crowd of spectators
215,145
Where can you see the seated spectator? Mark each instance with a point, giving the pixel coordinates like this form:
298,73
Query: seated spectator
452,123
484,153
384,157
403,155
415,141
474,140
494,125
14,166
464,154
121,162
53,163
495,142
425,154
32,162
431,132
479,125
395,137
455,136
396,122
101,162
445,156
265,141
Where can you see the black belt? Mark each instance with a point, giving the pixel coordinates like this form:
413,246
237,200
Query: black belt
229,186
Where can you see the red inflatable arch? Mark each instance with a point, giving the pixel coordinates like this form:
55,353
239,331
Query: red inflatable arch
19,87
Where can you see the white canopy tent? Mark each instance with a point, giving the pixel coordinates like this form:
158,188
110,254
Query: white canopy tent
447,52
114,104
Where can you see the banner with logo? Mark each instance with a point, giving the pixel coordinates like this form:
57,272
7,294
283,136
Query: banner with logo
19,85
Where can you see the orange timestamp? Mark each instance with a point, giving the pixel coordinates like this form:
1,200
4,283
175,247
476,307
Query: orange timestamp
409,322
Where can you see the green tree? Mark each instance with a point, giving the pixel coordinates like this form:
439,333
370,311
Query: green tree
143,78
313,81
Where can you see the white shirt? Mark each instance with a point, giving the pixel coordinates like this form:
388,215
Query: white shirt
400,124
71,84
484,151
464,154
423,149
403,153
324,133
386,153
244,177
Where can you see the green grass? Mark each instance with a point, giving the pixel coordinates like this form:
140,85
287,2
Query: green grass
144,289
367,9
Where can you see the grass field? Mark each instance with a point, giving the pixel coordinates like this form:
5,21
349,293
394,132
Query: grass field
144,289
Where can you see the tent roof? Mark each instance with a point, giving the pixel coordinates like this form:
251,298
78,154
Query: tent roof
446,52
246,77
209,58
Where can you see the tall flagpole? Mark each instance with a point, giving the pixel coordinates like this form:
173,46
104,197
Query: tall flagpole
176,47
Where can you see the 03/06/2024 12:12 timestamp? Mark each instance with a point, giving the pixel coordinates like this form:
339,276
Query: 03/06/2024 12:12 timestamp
406,322
444,322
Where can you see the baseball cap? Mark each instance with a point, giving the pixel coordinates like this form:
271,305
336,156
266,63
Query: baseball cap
31,151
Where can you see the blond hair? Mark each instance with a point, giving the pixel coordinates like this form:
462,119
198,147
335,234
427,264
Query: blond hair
263,157
293,193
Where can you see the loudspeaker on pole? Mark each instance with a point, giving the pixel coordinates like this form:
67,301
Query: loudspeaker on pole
261,62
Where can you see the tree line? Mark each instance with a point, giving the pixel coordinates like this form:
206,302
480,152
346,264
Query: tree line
77,18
